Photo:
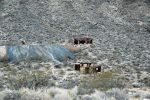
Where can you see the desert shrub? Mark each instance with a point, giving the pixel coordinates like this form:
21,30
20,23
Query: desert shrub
23,1
29,79
146,81
5,67
2,83
12,96
83,89
60,94
1,5
147,96
103,81
113,94
38,94
129,1
117,94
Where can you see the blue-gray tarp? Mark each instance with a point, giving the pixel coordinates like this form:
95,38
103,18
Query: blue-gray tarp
55,53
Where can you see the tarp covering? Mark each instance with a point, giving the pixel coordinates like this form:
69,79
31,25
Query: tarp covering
54,52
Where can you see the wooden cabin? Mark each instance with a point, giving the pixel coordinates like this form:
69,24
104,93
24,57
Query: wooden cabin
85,40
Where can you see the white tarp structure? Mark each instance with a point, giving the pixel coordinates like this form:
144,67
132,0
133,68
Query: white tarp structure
17,53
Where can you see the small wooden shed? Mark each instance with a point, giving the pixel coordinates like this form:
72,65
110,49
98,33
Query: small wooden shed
81,64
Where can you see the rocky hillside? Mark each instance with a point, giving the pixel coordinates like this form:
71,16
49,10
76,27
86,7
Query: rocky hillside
120,28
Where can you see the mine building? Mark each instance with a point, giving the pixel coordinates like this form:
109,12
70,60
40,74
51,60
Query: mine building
88,67
84,40
81,64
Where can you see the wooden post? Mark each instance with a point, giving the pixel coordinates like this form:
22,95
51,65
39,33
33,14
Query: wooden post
87,70
77,67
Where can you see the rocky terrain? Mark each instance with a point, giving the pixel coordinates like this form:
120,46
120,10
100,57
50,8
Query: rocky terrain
121,33
120,28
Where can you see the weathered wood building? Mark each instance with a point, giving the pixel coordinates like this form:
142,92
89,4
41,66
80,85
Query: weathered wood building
88,67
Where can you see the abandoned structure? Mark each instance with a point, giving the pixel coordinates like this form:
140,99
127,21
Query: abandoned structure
77,66
84,40
88,67
81,64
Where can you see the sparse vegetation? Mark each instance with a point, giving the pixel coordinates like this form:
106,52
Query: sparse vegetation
58,93
29,79
146,81
102,81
